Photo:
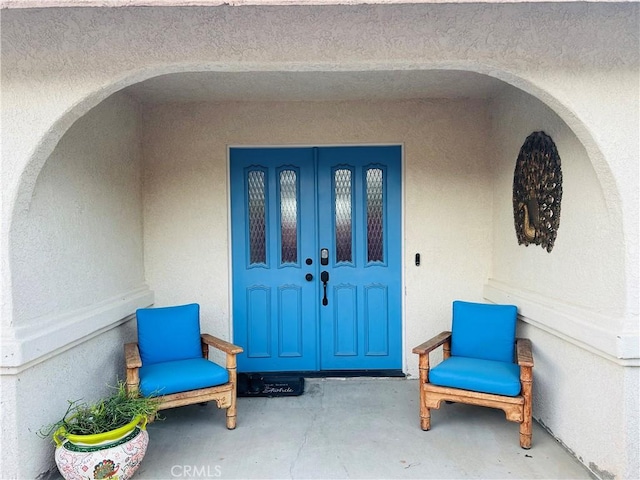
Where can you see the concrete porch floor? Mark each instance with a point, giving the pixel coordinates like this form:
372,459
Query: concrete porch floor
349,428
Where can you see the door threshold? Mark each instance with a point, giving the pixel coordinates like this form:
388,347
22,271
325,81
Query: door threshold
334,373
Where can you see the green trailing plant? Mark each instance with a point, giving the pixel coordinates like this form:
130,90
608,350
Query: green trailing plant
104,415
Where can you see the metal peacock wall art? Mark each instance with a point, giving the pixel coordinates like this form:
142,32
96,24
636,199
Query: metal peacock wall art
537,192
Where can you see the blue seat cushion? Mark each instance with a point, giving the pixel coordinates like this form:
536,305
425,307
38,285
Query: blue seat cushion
486,376
483,330
169,333
180,376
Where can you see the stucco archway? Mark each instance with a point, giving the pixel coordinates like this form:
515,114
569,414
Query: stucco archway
91,101
42,151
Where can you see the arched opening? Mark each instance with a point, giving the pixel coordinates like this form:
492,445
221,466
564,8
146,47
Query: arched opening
140,172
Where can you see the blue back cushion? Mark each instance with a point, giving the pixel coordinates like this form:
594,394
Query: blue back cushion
482,330
169,333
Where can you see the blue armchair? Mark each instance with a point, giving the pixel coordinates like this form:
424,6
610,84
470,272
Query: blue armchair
483,364
170,360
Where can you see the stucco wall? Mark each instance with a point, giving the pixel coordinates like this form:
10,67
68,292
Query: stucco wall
77,262
447,191
579,59
581,281
80,241
606,401
39,395
588,229
76,256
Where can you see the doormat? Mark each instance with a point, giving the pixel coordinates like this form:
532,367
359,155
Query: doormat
265,385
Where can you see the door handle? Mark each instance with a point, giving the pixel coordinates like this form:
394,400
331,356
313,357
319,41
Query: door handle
324,276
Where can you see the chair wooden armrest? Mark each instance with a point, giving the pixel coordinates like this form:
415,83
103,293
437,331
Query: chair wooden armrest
433,343
132,355
221,345
523,352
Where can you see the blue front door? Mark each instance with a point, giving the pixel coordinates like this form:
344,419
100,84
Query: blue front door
316,251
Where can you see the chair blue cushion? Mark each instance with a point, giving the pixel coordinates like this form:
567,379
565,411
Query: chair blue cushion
487,376
481,330
180,376
169,333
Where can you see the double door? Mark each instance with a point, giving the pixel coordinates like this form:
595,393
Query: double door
316,251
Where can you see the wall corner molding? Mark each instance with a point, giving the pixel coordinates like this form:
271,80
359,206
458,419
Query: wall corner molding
50,335
579,326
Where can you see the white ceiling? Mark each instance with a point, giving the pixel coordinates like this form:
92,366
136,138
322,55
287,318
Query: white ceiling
315,86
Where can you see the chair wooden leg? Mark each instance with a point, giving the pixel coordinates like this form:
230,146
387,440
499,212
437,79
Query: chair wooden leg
525,438
425,419
231,417
233,379
526,377
425,413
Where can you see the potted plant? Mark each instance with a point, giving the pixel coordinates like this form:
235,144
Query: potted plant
105,439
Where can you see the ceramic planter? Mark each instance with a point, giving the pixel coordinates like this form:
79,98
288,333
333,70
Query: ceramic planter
114,455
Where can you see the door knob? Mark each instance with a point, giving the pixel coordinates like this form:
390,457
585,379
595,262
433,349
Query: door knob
308,277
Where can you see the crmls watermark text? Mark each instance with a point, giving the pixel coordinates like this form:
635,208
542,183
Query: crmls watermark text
196,471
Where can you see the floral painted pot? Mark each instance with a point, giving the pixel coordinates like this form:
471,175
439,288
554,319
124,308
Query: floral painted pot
114,455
